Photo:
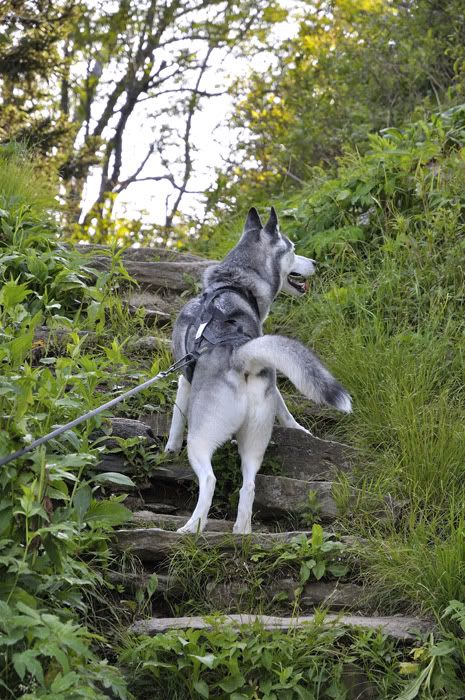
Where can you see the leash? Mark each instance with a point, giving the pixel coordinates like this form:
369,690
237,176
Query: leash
183,362
208,314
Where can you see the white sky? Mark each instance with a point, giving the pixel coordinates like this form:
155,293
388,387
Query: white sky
211,137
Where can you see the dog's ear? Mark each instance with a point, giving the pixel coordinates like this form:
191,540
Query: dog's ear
271,226
253,220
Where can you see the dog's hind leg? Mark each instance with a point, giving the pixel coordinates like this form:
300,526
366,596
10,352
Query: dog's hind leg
178,421
200,452
216,411
252,440
285,417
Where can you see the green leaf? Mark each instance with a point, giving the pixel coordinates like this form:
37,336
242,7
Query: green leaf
443,648
26,661
208,660
232,683
338,569
53,551
152,584
202,688
19,347
107,513
317,535
304,572
13,293
82,500
414,687
319,570
114,478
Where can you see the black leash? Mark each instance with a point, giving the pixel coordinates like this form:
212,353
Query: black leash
183,362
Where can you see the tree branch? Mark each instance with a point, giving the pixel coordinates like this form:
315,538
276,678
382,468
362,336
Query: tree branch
187,145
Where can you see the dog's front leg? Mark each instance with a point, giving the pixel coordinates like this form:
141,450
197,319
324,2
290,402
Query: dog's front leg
178,421
285,417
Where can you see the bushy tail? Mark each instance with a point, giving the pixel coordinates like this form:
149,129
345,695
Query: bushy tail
297,363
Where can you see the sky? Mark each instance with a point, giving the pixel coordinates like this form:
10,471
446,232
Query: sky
211,136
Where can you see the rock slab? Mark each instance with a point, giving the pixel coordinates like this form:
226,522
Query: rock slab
280,495
304,456
153,544
401,628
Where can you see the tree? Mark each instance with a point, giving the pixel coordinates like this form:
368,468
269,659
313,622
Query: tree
110,69
30,63
354,66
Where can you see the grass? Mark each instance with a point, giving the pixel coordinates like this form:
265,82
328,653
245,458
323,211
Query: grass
385,313
23,182
245,573
253,663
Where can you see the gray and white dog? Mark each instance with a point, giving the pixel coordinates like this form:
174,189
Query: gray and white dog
232,389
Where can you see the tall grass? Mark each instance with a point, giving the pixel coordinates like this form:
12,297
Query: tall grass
386,313
24,182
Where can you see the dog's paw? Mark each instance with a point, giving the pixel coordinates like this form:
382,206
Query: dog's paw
192,527
172,448
242,529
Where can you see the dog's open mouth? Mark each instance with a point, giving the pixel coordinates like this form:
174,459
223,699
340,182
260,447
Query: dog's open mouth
298,282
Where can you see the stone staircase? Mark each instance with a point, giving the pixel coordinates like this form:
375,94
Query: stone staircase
296,465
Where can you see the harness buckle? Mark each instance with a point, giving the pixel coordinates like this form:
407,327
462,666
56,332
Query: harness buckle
200,330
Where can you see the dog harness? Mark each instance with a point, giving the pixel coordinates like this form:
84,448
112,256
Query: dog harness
204,340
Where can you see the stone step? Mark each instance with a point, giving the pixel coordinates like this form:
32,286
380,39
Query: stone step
274,495
122,428
58,337
281,496
159,423
175,276
225,596
142,254
153,544
303,456
299,455
151,301
173,522
399,628
333,595
148,343
152,317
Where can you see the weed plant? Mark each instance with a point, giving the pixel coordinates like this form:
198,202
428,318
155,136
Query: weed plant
54,525
250,572
385,313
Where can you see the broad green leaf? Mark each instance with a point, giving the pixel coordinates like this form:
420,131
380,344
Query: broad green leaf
232,683
207,660
317,535
202,688
27,662
319,570
13,293
114,478
82,500
107,513
338,569
152,584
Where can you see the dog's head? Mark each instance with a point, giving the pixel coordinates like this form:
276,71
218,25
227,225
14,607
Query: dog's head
293,269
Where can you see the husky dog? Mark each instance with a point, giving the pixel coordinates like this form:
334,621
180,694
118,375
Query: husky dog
232,389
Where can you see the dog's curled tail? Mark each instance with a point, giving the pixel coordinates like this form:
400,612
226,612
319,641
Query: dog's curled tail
297,363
